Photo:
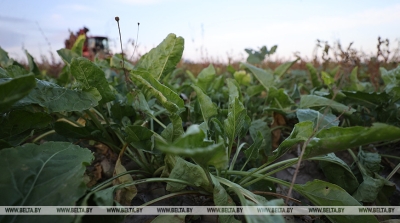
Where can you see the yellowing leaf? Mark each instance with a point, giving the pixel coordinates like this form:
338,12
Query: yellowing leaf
125,195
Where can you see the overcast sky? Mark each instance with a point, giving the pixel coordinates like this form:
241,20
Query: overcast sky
211,28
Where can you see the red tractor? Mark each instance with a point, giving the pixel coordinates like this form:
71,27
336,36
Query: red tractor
93,46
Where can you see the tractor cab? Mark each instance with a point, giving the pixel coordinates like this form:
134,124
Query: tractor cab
93,46
97,45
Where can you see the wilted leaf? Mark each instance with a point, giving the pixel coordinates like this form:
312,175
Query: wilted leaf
371,161
279,120
124,195
369,188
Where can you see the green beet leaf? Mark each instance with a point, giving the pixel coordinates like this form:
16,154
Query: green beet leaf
283,68
205,78
338,138
278,98
5,61
391,78
162,59
78,45
169,219
67,55
33,68
234,90
355,84
58,99
116,62
322,193
50,174
371,99
167,97
322,121
193,144
264,77
16,71
139,136
252,200
189,172
12,90
254,151
89,75
254,90
326,77
314,75
222,198
309,101
243,78
20,121
261,127
208,109
300,133
4,73
237,122
67,130
338,172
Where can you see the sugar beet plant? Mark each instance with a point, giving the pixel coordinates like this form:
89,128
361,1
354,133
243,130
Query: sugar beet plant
204,134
